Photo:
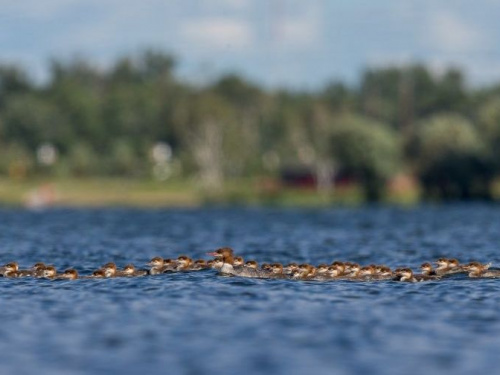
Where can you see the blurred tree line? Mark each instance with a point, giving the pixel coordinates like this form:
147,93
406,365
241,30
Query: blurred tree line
86,121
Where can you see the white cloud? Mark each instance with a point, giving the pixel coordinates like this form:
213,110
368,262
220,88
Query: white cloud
449,33
300,30
460,41
218,32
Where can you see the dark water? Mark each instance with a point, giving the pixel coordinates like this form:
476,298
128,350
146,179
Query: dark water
201,323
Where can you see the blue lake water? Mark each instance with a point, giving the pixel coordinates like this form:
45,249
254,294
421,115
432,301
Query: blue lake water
201,323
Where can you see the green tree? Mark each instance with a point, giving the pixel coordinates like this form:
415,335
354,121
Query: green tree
339,97
399,95
489,126
13,81
366,150
31,120
83,160
212,137
122,159
76,90
452,160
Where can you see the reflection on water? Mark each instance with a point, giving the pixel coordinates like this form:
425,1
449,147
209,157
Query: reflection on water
201,323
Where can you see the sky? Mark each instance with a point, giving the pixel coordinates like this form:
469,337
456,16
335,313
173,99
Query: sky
278,43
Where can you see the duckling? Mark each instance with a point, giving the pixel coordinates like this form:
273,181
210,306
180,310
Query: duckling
238,261
289,268
69,274
348,268
110,269
199,265
383,273
321,273
333,272
38,270
366,273
406,274
252,264
448,267
455,267
427,269
322,269
266,268
353,269
303,272
184,263
397,274
156,265
442,264
312,271
337,270
9,269
226,255
169,265
159,265
33,271
478,270
97,274
130,271
277,271
49,272
297,274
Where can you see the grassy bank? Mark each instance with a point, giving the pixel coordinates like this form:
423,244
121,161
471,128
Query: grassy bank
99,192
94,192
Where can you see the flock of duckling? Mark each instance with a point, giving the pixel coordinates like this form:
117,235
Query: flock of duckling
230,265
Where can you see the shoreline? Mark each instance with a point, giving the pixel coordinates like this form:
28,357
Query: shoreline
136,193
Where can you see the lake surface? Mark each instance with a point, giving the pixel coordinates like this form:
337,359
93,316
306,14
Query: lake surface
201,323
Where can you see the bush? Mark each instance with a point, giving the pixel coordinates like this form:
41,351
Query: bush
366,150
452,160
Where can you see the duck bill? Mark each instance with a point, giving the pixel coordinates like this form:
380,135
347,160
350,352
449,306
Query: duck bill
213,254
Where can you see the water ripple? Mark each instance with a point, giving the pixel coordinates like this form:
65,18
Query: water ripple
197,323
